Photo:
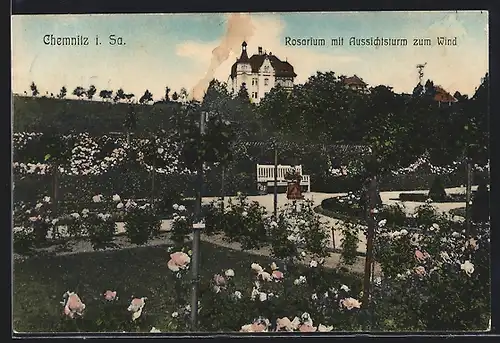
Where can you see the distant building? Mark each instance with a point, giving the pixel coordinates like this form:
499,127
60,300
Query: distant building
355,83
259,73
443,96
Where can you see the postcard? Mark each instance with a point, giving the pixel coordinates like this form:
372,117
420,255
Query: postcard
251,173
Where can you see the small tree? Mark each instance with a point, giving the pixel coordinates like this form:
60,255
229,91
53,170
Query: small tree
79,92
105,94
480,209
34,89
120,95
167,94
91,92
146,97
437,191
175,96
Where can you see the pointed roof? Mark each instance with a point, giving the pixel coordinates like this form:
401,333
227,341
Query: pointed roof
354,80
443,96
281,68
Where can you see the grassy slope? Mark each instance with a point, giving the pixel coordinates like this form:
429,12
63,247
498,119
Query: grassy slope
40,282
38,114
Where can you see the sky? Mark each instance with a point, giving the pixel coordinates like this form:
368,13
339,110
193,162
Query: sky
176,50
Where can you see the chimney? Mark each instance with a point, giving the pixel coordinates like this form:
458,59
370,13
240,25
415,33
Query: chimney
260,50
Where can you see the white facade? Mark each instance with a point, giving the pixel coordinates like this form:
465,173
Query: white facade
259,74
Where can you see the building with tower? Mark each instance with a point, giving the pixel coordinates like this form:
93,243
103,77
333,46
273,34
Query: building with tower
259,73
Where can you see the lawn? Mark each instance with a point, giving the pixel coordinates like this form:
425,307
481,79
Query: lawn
39,283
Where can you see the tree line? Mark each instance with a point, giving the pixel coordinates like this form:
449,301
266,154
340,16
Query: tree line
109,95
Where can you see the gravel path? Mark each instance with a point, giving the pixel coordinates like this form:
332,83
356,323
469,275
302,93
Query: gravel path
333,261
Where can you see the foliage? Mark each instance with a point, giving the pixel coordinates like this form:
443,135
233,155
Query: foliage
141,223
182,225
245,222
480,209
433,274
437,192
349,243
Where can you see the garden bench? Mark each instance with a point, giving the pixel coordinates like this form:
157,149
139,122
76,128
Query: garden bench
265,175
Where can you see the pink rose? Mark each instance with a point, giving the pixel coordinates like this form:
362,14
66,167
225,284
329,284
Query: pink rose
255,327
277,275
110,295
421,256
350,303
74,305
136,306
307,328
285,324
178,260
420,270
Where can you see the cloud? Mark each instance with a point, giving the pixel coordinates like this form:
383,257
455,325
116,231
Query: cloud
455,68
268,34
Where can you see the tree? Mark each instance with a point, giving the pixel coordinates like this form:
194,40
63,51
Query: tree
146,97
91,92
437,192
167,95
175,96
79,92
62,92
183,95
480,209
105,94
34,89
120,95
243,94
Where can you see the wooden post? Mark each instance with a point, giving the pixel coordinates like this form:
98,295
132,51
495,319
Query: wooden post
153,183
275,183
372,200
468,197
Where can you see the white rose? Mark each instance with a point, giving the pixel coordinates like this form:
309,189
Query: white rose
229,273
116,197
175,314
314,296
182,208
237,294
119,205
175,207
262,296
344,288
313,264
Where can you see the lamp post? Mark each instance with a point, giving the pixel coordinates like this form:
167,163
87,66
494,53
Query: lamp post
197,226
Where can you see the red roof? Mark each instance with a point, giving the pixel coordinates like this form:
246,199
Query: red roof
443,96
354,81
282,69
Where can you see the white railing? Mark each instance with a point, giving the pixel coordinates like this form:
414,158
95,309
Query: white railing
265,174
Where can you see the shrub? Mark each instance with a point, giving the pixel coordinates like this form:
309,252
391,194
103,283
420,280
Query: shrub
141,223
245,222
437,192
431,273
182,225
100,228
349,243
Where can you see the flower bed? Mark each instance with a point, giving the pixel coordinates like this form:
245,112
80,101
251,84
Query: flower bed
150,274
423,197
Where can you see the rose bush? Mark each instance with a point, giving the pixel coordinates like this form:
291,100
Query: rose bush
435,275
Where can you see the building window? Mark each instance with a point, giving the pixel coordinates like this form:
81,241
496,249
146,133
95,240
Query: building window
266,69
255,81
254,95
266,82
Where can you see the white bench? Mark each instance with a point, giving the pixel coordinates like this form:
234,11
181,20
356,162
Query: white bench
265,174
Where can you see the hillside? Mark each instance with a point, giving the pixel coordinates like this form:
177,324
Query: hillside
96,117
